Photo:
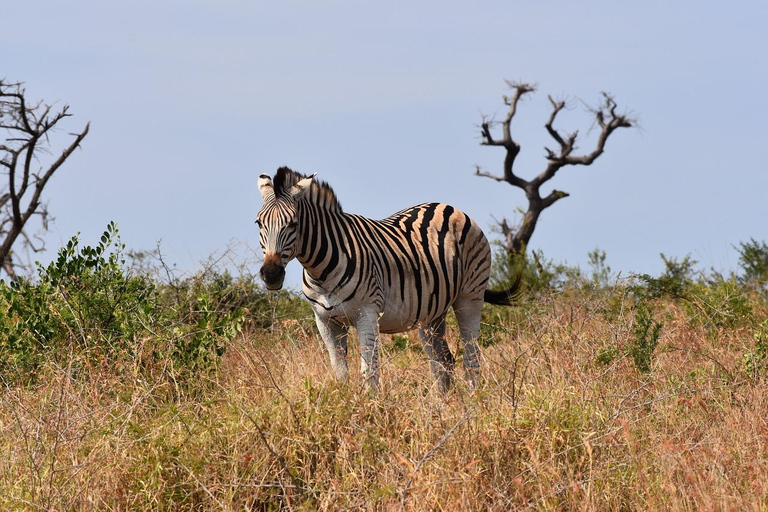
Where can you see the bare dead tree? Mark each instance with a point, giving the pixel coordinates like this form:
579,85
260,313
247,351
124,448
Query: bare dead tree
605,117
27,127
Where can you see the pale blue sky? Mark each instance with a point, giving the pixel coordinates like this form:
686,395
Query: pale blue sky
190,101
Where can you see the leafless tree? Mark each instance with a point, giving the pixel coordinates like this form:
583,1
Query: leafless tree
605,117
27,128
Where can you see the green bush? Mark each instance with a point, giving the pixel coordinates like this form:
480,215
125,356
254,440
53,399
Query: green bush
717,303
206,311
756,359
607,355
673,283
96,299
601,274
27,327
640,347
713,301
539,274
753,260
82,300
645,338
85,305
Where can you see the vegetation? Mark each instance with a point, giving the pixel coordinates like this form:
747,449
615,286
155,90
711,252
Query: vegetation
26,167
126,386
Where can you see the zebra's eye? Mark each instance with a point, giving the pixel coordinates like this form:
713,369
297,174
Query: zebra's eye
258,223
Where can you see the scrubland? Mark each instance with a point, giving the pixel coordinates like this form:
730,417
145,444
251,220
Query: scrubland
207,393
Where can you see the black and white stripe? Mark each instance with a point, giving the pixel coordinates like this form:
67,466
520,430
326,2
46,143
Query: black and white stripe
388,275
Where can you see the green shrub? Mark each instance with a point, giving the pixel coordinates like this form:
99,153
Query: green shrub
717,303
27,327
206,311
673,283
645,338
82,300
601,274
96,299
607,355
756,359
753,260
641,346
85,305
539,273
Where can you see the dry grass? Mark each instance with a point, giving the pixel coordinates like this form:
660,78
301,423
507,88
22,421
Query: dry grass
551,429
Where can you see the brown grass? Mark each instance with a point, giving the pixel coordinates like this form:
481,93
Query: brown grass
550,429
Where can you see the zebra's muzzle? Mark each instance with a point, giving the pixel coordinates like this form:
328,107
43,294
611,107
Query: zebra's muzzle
272,274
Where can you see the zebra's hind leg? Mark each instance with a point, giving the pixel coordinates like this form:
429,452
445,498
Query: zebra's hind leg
440,357
468,313
368,330
335,338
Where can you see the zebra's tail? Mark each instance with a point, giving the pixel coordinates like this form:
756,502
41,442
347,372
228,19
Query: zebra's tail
504,297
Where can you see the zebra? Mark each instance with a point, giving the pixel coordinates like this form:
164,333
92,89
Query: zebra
380,276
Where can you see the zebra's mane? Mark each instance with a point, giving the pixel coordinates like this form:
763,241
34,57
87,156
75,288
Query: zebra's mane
320,194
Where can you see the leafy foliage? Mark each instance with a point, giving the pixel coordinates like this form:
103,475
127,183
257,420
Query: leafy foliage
83,297
601,272
718,303
756,358
540,274
753,259
86,305
607,355
645,338
674,282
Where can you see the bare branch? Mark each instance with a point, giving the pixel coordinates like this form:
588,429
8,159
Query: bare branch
520,89
608,120
555,195
506,141
479,172
485,131
557,106
605,116
28,242
41,182
507,231
30,125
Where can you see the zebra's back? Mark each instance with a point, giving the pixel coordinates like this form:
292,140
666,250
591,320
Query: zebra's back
420,261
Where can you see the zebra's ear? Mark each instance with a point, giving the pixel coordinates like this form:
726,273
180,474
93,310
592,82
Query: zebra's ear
265,187
302,187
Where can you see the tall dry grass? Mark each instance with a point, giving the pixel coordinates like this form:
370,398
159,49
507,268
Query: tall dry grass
550,429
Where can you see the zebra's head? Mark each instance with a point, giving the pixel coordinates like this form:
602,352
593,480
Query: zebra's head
278,223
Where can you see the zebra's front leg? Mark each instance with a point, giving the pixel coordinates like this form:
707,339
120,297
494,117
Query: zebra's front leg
368,329
335,338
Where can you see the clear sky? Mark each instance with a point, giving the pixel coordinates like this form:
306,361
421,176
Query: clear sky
189,101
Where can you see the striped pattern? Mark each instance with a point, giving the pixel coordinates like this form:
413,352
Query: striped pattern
388,275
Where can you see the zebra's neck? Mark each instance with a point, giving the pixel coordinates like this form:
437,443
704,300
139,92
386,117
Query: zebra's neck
322,241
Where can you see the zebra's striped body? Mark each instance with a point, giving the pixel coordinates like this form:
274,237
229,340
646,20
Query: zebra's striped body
388,275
